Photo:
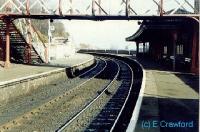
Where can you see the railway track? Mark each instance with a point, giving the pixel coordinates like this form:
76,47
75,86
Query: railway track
93,118
93,101
22,106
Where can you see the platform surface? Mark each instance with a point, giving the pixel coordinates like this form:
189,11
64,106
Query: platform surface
17,71
169,97
73,60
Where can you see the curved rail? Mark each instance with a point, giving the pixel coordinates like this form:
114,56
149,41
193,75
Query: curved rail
134,118
92,76
88,105
89,69
138,71
103,111
129,92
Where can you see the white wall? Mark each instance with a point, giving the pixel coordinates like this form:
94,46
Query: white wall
59,51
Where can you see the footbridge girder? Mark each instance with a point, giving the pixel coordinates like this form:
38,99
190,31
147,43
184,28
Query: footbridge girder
97,9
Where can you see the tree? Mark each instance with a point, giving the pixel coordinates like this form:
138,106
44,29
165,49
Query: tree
42,26
84,46
59,30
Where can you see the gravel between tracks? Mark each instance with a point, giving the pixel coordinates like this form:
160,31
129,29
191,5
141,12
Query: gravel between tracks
82,122
95,114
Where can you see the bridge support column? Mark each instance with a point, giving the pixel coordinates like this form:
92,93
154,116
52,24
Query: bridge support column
195,52
7,61
161,7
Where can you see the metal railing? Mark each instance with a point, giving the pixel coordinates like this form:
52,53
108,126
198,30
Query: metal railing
99,7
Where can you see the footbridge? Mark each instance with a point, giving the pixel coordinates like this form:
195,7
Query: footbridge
17,30
97,9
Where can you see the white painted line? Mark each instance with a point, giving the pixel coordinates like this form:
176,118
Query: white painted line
41,74
31,76
83,62
173,72
135,115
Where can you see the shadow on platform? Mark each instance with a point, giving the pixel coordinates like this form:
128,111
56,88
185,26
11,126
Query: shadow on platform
166,110
189,79
174,99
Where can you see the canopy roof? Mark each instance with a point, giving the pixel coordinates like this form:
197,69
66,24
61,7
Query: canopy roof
158,28
154,29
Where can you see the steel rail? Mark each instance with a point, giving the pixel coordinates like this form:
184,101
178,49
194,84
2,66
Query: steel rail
89,70
127,97
92,76
135,113
87,106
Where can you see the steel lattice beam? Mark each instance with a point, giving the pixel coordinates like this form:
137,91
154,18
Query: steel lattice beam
65,9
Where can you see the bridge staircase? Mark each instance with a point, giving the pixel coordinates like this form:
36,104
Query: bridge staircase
23,49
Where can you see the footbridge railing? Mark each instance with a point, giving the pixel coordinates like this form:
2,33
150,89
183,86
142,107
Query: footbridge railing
89,8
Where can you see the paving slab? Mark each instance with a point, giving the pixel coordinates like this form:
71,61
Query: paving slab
73,60
17,71
170,102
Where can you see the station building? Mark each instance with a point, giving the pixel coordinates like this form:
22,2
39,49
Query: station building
61,48
171,42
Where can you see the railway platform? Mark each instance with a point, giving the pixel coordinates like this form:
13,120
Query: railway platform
20,79
17,71
170,101
73,61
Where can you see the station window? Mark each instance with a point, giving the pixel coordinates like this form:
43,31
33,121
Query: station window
179,49
165,49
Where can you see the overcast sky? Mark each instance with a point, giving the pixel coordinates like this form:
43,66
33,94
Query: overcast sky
102,34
